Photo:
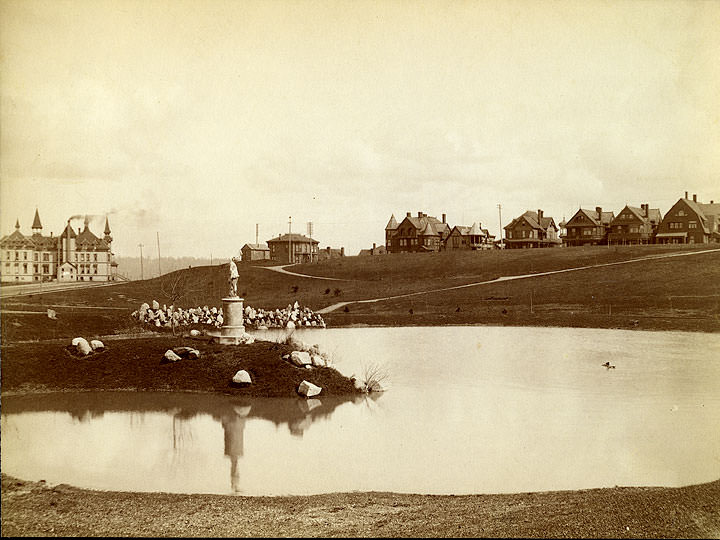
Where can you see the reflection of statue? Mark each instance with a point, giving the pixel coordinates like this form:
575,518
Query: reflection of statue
233,279
234,425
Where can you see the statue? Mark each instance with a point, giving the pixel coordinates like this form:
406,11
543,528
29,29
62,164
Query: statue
233,279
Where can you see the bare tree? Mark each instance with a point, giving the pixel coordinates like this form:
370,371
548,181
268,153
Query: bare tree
175,287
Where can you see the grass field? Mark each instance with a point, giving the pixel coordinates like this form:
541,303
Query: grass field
678,293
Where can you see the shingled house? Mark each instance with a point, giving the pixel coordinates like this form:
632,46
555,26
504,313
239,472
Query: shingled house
473,238
531,230
255,252
419,234
690,222
634,225
588,227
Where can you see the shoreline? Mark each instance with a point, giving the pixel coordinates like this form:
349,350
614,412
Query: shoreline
36,508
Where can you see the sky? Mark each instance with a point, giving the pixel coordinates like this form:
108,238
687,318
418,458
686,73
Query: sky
195,121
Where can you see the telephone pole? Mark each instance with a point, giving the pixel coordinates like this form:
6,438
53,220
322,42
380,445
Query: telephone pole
501,229
141,262
257,229
158,243
290,239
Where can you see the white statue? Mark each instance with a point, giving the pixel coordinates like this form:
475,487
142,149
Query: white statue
233,279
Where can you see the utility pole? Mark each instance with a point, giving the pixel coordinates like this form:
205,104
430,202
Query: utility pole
158,243
257,229
501,229
141,262
290,239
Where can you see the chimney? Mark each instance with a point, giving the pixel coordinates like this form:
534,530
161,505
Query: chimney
539,215
686,194
711,202
408,214
598,209
342,251
694,197
328,250
444,217
419,214
373,248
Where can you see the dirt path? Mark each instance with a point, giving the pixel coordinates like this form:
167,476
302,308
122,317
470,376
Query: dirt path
281,269
338,305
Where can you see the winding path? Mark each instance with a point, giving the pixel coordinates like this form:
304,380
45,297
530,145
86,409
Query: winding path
333,307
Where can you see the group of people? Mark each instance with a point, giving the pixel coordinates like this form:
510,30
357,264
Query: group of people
164,316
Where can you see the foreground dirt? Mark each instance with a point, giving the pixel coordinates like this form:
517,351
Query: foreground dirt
30,509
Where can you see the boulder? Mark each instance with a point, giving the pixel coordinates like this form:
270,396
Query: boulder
96,344
51,314
290,325
317,360
308,389
82,345
155,305
187,352
300,358
194,332
242,377
77,340
170,356
297,344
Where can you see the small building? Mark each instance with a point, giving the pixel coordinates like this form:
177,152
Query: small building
634,225
293,248
690,222
471,238
255,252
330,253
531,230
421,234
588,227
375,250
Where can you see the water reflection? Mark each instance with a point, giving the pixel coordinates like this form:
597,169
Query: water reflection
232,413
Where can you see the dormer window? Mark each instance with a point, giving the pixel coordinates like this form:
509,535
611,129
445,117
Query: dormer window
681,212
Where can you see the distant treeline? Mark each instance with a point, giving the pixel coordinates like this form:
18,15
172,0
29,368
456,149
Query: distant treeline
130,266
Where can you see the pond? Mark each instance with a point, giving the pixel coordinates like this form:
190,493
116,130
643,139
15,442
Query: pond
468,409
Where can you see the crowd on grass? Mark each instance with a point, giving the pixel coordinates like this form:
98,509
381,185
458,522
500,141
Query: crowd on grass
293,316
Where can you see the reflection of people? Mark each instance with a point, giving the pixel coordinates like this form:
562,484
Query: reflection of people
233,279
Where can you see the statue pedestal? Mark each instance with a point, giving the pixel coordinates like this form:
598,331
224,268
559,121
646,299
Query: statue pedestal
232,327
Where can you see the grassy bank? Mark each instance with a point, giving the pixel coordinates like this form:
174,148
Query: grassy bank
680,293
689,512
137,364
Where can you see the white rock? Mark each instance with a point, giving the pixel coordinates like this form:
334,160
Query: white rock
77,340
187,352
317,360
171,356
51,314
155,305
262,327
242,377
308,389
290,324
97,344
194,332
83,347
300,358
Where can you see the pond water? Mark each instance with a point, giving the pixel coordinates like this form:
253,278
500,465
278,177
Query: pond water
468,409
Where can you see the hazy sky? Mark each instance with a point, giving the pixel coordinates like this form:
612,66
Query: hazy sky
199,119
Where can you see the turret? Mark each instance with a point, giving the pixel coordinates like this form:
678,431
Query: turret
37,226
107,236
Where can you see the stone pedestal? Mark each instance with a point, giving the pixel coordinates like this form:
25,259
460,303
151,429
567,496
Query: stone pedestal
232,327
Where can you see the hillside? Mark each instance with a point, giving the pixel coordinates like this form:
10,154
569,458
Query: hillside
681,293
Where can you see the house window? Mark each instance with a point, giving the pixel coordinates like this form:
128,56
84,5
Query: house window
17,256
634,229
35,268
587,232
25,268
46,269
692,224
681,212
509,234
24,255
675,225
45,257
35,256
95,257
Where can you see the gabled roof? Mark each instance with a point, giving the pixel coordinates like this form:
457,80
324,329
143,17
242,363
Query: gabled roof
437,227
86,239
294,237
532,219
653,216
256,247
392,224
65,232
603,219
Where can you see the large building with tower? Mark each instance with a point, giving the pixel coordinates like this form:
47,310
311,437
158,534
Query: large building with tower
71,256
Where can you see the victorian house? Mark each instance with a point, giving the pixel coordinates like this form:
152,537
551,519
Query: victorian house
531,230
588,227
690,222
293,248
473,238
634,225
69,257
421,234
